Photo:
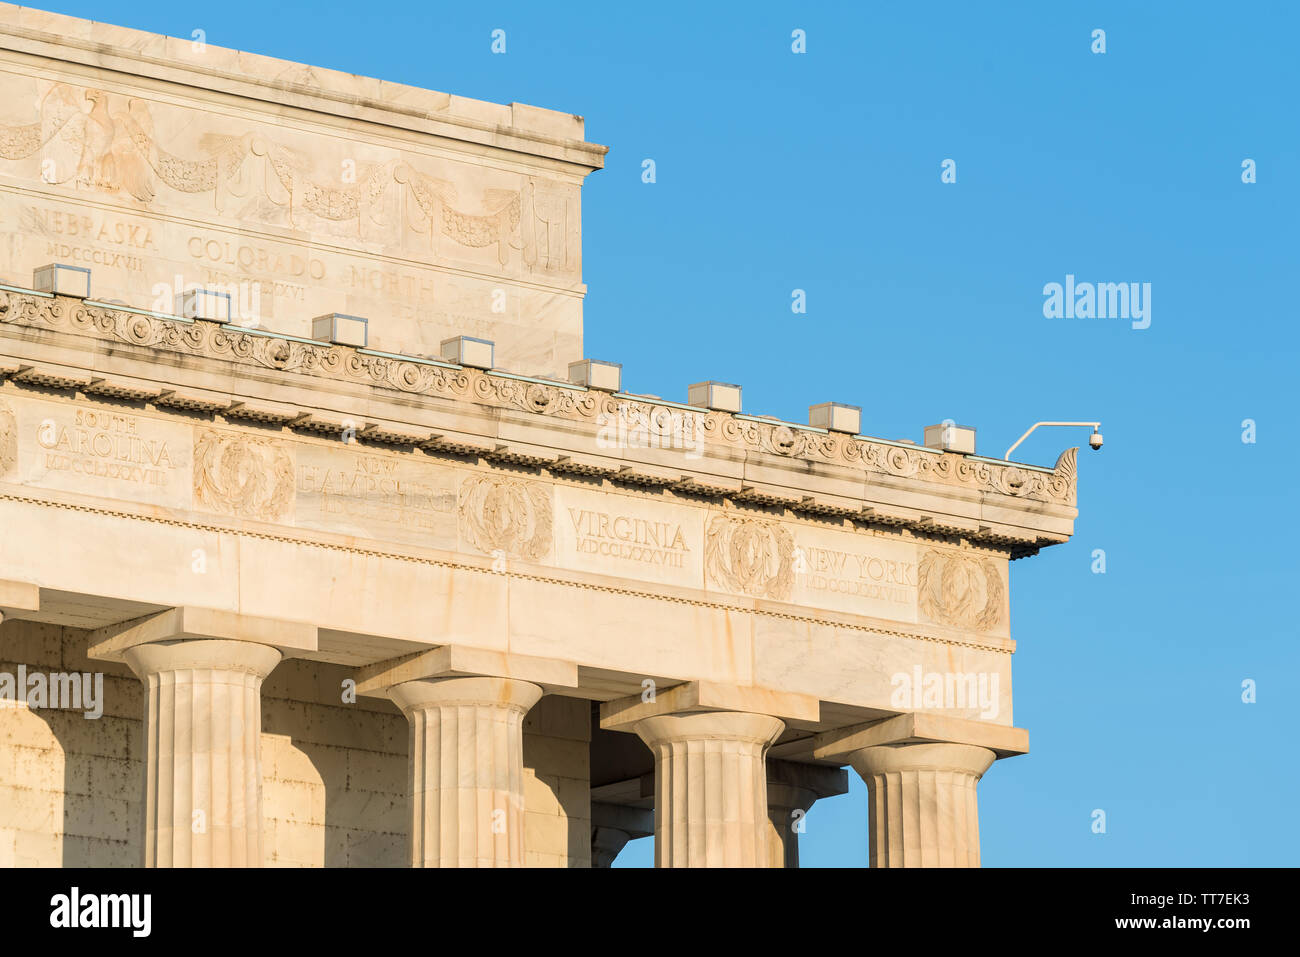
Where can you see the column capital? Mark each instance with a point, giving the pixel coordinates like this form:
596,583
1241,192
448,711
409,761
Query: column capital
606,843
613,825
891,758
623,714
920,727
215,654
787,805
756,729
458,661
921,803
466,772
795,787
710,787
504,693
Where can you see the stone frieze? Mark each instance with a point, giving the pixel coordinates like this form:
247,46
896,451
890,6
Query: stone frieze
351,365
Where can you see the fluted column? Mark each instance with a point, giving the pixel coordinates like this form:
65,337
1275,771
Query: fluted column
782,838
710,787
921,806
466,771
203,744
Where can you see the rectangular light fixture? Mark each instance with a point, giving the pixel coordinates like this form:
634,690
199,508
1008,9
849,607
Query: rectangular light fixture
835,417
950,438
341,330
595,374
722,396
62,280
205,304
468,351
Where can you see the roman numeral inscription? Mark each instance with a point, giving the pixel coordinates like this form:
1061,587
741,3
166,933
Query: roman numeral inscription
621,535
102,451
630,538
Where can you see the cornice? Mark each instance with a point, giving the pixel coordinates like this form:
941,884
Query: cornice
765,443
516,127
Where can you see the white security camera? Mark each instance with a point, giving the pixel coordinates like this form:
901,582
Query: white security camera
1095,440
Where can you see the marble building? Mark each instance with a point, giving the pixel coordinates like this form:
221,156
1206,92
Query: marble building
309,490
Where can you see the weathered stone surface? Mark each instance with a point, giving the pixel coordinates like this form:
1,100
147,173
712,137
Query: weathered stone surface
710,788
719,584
203,751
362,203
467,772
921,805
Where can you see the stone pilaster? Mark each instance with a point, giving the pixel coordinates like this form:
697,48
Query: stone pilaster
203,744
710,787
466,769
921,806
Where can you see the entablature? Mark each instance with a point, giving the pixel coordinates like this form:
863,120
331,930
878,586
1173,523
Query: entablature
421,405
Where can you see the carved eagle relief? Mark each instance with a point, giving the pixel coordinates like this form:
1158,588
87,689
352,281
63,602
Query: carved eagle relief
81,140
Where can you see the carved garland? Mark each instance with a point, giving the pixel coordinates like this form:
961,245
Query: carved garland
353,549
236,474
96,137
342,362
505,515
750,556
960,590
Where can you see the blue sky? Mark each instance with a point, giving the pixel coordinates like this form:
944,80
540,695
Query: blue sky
821,172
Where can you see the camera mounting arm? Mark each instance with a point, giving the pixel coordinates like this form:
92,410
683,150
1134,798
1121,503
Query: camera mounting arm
1094,440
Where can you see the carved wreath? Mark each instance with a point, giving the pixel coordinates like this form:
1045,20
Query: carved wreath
506,515
750,556
960,590
242,475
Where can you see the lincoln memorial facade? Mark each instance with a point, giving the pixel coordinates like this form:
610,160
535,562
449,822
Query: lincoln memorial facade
323,543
